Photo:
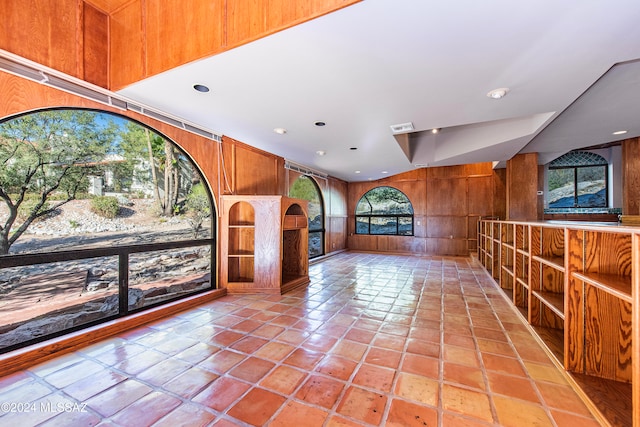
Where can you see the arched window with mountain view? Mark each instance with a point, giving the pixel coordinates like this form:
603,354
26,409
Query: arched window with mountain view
100,216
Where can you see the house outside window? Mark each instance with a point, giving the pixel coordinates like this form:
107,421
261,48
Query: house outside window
384,211
578,179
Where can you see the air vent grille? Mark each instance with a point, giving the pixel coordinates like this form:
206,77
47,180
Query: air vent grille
304,170
402,128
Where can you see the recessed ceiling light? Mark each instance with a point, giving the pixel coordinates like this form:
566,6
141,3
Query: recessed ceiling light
357,172
280,131
321,152
201,88
498,93
435,130
320,124
620,132
385,172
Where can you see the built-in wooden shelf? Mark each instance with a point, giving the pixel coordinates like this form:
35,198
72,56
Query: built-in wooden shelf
555,262
264,244
618,286
578,286
552,300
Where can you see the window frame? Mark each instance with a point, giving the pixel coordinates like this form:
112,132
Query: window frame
397,216
322,229
121,252
575,168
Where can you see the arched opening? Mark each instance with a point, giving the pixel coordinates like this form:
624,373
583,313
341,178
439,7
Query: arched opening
307,189
384,210
100,217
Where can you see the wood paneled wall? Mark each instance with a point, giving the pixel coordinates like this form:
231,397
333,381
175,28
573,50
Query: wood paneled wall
114,43
50,32
336,215
172,33
246,170
447,204
631,176
523,182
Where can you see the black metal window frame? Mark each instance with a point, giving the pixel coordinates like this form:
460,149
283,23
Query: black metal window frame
122,252
604,166
397,221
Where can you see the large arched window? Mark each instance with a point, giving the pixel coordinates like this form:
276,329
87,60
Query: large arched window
384,210
306,188
99,217
578,179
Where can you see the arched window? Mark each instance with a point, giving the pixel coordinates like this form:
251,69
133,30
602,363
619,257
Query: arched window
578,179
100,217
306,188
384,210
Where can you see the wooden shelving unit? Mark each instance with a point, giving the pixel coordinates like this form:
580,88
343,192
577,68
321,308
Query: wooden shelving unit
578,286
546,285
521,269
264,244
507,257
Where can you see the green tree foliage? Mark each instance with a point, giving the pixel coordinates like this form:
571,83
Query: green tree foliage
105,206
140,145
384,200
198,208
559,178
304,188
46,156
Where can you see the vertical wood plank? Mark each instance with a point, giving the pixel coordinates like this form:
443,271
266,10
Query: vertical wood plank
44,31
631,176
95,46
181,32
127,50
574,304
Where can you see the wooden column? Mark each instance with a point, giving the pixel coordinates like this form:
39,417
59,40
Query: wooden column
631,176
523,201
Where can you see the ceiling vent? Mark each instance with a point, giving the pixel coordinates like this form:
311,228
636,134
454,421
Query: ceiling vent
402,128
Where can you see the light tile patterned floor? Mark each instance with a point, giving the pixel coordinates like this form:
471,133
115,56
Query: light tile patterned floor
374,340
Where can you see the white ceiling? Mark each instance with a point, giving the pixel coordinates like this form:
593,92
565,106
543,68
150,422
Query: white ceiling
384,62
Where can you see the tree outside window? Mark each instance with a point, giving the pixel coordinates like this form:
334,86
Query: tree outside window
384,211
306,188
100,217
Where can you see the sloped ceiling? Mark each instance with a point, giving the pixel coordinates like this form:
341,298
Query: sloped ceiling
379,63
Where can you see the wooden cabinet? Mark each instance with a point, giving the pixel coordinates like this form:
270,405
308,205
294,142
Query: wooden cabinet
578,286
264,244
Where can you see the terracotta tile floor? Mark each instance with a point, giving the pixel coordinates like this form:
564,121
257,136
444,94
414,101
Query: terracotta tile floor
372,341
